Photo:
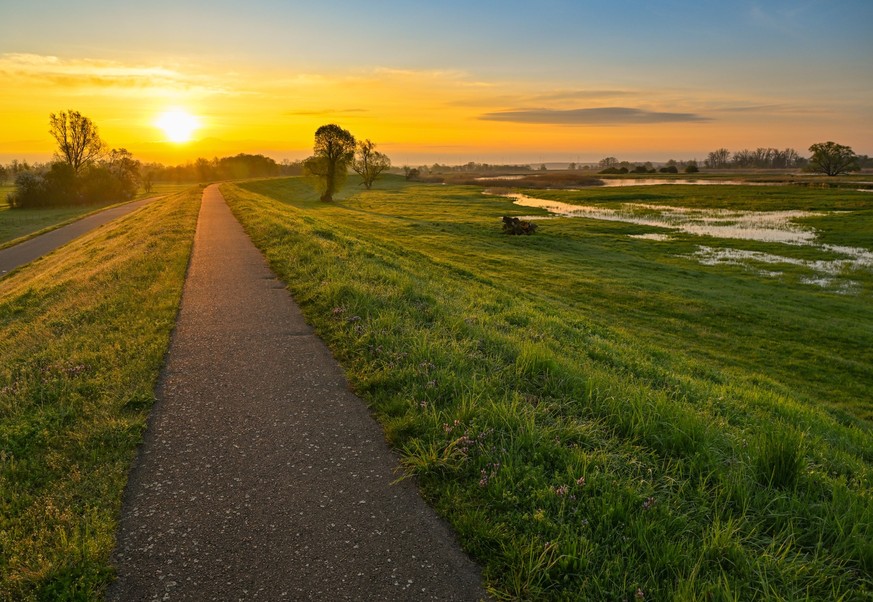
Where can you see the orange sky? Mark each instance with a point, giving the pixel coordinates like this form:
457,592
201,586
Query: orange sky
581,105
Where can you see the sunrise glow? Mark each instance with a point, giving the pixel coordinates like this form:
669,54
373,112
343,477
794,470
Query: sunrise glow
584,87
178,125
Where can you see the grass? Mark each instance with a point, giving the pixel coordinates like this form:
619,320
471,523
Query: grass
16,225
83,334
598,415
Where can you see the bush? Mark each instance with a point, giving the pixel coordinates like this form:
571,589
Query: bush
513,225
669,169
59,185
55,186
691,169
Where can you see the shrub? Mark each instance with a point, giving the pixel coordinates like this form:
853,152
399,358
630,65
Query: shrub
513,225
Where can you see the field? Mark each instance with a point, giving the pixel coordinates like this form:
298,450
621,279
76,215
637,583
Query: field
600,415
82,339
22,223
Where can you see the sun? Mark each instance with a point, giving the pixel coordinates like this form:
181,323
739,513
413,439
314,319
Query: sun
178,125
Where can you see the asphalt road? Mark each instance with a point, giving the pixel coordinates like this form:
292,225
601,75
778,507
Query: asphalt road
261,476
25,252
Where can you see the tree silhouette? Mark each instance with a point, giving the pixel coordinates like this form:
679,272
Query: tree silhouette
334,150
79,143
832,159
369,163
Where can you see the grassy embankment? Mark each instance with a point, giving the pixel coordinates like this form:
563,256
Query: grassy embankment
17,225
83,334
599,415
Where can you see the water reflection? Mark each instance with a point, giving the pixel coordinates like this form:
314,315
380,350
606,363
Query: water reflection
765,226
682,182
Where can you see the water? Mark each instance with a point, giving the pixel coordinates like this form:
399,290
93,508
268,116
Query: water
611,182
765,226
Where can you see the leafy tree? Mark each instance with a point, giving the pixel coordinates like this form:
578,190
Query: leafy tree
4,174
369,163
79,143
608,162
832,159
334,150
125,170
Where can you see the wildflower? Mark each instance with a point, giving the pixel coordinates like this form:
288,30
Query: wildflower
580,481
650,501
423,405
639,595
561,491
338,311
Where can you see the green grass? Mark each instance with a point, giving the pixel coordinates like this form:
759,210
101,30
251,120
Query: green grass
83,334
19,224
595,413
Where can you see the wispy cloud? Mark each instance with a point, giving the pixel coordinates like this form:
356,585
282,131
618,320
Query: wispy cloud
594,116
102,74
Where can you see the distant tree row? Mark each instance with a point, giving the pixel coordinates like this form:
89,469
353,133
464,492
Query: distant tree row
828,158
764,158
225,168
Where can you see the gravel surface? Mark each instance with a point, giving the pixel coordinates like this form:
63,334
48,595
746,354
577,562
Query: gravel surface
25,252
262,477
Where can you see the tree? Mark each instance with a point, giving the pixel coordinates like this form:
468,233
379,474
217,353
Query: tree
832,159
718,158
369,163
125,170
608,162
79,143
334,150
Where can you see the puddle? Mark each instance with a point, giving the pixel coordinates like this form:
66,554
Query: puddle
827,271
764,226
650,236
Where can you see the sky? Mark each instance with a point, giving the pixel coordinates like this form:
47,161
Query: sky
448,81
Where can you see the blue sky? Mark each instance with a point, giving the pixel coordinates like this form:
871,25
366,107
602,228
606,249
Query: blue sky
740,63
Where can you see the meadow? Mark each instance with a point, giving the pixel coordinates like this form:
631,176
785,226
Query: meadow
83,333
599,415
17,225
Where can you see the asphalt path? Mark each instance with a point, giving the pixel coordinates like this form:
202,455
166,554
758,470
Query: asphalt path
261,476
25,252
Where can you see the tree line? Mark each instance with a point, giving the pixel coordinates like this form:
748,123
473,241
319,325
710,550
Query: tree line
84,171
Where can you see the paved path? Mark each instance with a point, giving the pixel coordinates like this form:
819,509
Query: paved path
261,476
25,252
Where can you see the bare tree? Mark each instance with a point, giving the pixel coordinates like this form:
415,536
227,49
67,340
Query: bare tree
334,150
718,158
79,143
369,163
832,159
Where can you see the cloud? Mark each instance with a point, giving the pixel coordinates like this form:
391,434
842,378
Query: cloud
596,116
103,74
